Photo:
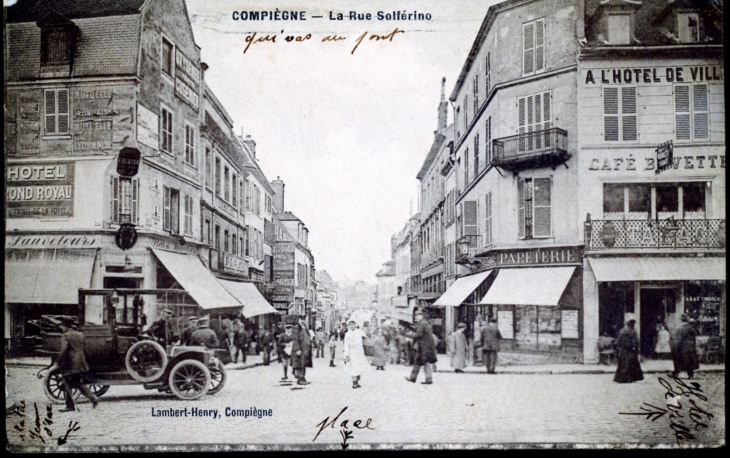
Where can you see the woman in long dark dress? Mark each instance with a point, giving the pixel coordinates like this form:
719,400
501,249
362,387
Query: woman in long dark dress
627,349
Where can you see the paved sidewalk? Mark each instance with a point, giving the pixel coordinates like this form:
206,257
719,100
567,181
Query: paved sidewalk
648,366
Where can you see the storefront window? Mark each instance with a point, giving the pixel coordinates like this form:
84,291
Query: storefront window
667,201
693,200
639,201
613,200
702,303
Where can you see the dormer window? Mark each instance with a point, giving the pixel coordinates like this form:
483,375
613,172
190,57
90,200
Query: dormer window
58,39
619,29
688,27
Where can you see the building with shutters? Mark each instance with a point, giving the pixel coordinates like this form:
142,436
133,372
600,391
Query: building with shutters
514,169
652,169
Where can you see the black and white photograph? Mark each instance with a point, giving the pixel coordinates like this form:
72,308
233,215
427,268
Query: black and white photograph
333,225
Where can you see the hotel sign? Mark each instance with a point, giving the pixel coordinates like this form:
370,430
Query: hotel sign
40,189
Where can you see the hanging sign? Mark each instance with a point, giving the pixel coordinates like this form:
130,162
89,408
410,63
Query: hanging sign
664,156
128,162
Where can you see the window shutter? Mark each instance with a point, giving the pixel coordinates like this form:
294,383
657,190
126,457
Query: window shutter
546,110
522,115
539,45
470,217
476,93
476,155
62,112
115,199
610,114
628,114
175,211
135,200
51,112
488,219
487,76
528,48
699,107
488,143
681,112
521,208
542,212
166,208
538,120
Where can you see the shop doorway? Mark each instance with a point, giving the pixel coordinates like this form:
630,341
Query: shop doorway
655,304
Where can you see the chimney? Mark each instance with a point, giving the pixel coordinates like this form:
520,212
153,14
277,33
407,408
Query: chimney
443,107
278,199
249,142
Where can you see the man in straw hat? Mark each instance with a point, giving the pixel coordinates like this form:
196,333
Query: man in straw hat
204,335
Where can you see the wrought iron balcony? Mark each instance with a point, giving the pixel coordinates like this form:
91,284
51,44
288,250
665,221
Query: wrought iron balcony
467,247
531,150
669,233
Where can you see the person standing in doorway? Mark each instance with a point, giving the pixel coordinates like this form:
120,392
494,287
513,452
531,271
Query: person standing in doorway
72,367
627,348
684,349
662,348
458,349
425,354
354,352
490,345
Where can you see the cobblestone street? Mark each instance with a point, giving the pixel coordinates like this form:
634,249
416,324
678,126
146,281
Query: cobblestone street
458,408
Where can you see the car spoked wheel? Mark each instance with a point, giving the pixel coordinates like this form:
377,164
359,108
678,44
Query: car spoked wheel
99,390
189,380
218,378
146,361
53,388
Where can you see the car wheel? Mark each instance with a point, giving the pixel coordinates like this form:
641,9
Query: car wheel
146,361
189,380
53,387
218,378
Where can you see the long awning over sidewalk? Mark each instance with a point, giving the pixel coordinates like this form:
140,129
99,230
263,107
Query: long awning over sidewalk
253,302
461,289
192,275
647,268
529,286
50,276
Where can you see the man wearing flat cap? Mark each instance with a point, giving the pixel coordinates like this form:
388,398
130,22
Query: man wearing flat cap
684,349
161,329
187,335
301,357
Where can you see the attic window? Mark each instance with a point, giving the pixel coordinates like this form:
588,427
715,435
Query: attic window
688,27
58,39
619,29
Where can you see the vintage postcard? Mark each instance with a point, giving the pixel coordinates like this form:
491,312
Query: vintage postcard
344,225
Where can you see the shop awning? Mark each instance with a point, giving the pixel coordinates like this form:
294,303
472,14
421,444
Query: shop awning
253,302
461,289
51,276
529,286
656,268
192,275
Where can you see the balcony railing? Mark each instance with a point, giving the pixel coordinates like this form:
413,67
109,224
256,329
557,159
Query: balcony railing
670,233
467,247
542,148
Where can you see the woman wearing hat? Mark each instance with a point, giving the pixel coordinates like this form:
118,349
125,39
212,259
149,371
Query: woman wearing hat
355,361
627,348
457,348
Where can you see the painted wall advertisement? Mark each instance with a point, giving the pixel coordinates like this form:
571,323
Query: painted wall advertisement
148,127
40,189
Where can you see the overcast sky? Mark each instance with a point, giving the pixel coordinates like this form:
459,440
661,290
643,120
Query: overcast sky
347,132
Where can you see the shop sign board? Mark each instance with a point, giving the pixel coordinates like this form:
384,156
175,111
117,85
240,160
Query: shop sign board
533,257
234,264
128,162
664,156
505,324
40,189
51,241
569,321
148,127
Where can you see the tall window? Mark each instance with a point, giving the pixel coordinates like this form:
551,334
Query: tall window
225,241
533,47
619,29
166,130
55,46
488,143
476,94
688,27
218,176
234,247
190,144
234,189
488,219
534,207
619,114
534,116
217,237
188,215
246,242
466,110
691,112
476,156
56,111
226,183
470,215
125,200
168,56
208,168
171,209
487,74
466,168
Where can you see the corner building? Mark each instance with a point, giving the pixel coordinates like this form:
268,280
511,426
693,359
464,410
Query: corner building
652,169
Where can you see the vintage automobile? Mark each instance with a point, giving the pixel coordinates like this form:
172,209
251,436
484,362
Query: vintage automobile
118,352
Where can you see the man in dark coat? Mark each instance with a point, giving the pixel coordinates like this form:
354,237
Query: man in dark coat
240,339
72,367
161,329
187,335
425,354
267,344
490,345
204,335
684,349
627,354
301,357
284,344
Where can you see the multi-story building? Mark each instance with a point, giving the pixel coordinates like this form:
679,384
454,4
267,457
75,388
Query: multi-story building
651,113
103,161
328,317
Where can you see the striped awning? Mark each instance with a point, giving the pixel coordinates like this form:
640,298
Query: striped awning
529,286
653,268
